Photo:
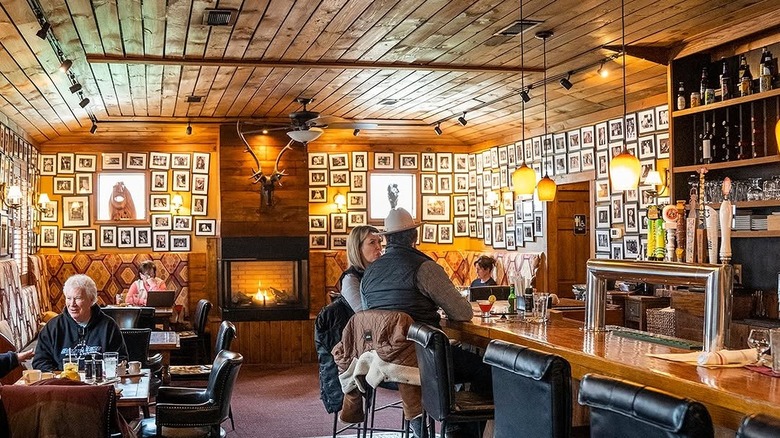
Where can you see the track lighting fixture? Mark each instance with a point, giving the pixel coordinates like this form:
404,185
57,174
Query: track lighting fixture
44,32
75,88
84,102
462,119
93,129
264,131
602,71
189,128
524,94
437,128
565,82
356,132
66,65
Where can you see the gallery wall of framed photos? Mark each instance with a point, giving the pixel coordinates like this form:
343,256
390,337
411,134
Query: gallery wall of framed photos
145,200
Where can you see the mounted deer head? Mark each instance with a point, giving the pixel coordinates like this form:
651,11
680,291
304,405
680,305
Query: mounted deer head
267,182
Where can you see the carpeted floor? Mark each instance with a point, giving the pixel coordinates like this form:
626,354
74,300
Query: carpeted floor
285,403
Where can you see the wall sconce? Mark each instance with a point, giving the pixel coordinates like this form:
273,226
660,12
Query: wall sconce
12,199
177,202
653,179
45,205
340,201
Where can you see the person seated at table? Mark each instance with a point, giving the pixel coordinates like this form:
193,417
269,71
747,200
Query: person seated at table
11,360
140,289
81,329
364,246
485,265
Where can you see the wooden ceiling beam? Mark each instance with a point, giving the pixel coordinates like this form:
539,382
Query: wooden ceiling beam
146,60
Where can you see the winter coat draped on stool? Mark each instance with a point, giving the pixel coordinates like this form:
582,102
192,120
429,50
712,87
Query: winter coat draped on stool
328,327
374,347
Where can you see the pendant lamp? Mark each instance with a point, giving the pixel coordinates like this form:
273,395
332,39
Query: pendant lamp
624,169
523,178
546,188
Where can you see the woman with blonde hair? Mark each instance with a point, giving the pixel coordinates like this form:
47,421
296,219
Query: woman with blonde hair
364,245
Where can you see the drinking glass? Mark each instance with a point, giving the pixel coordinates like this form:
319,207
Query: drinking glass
485,306
755,193
759,339
539,314
110,360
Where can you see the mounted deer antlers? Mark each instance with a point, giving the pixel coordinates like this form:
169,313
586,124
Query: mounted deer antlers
267,182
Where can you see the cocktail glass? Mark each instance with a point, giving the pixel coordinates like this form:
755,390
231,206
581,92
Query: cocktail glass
485,306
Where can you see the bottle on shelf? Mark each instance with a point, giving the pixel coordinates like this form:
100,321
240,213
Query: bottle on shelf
705,142
725,83
745,78
681,97
765,73
704,84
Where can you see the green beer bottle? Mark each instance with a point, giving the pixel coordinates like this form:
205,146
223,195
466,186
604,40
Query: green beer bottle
511,298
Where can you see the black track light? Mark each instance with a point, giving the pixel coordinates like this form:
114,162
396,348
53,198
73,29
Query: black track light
565,82
462,119
44,32
356,132
437,129
66,65
525,96
93,129
603,71
75,88
189,129
84,102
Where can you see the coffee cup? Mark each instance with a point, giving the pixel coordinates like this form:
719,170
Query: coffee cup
31,376
134,367
121,368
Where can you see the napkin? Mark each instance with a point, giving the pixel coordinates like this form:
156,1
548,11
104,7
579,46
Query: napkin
721,358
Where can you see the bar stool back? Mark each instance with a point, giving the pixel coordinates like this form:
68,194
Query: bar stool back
759,426
622,409
533,383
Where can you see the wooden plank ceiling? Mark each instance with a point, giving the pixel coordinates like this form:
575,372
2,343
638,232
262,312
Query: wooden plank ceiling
138,60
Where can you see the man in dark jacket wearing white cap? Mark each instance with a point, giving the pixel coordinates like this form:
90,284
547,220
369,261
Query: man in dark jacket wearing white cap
404,279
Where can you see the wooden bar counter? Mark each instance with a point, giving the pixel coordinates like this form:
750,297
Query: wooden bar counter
728,393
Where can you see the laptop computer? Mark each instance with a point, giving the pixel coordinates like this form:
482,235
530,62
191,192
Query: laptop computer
160,298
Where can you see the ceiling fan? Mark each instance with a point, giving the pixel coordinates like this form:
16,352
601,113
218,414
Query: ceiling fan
306,126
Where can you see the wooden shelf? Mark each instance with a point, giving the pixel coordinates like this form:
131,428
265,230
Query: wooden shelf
751,204
729,164
754,234
726,104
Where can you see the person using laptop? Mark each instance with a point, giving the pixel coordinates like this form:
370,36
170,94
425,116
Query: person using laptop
148,282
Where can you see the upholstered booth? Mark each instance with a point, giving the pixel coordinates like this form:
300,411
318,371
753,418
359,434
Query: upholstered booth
759,426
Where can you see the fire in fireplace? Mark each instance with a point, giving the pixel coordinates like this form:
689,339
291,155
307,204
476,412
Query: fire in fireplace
264,278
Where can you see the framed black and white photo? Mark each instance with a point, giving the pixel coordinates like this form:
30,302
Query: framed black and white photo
143,237
50,214
356,200
356,218
574,162
461,163
503,156
616,209
112,161
646,147
646,167
528,210
136,160
318,223
461,203
391,190
180,161
617,251
602,164
182,223
631,195
643,226
408,161
318,177
205,227
159,181
559,142
444,162
65,163
200,205
180,242
427,183
86,163
159,160
357,181
161,222
435,208
646,121
318,241
107,236
360,161
200,184
339,161
75,211
662,145
602,190
632,247
84,183
444,183
47,163
588,159
383,160
338,241
318,194
429,233
461,227
181,180
160,241
318,160
499,232
63,185
588,137
160,202
662,117
339,178
602,136
528,232
68,240
338,222
615,129
602,240
49,236
200,162
575,142
461,184
445,233
602,216
631,131
428,162
631,218
538,224
646,196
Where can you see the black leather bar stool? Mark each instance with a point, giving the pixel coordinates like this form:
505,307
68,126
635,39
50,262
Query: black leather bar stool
759,426
531,390
440,401
621,409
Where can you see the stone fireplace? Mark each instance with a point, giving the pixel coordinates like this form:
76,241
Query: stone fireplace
264,278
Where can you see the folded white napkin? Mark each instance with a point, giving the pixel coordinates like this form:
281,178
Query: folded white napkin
722,358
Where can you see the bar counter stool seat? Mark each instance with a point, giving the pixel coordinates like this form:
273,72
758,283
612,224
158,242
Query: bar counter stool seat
622,409
535,383
759,426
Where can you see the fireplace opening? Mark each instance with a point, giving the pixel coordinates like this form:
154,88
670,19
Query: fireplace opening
264,279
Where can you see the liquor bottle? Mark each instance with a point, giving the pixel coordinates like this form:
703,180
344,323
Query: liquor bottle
705,140
725,83
746,78
765,73
511,299
704,84
681,97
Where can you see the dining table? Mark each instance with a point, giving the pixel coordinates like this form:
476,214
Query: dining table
164,342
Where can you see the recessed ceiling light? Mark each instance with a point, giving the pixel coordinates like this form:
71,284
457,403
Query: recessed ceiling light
194,99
